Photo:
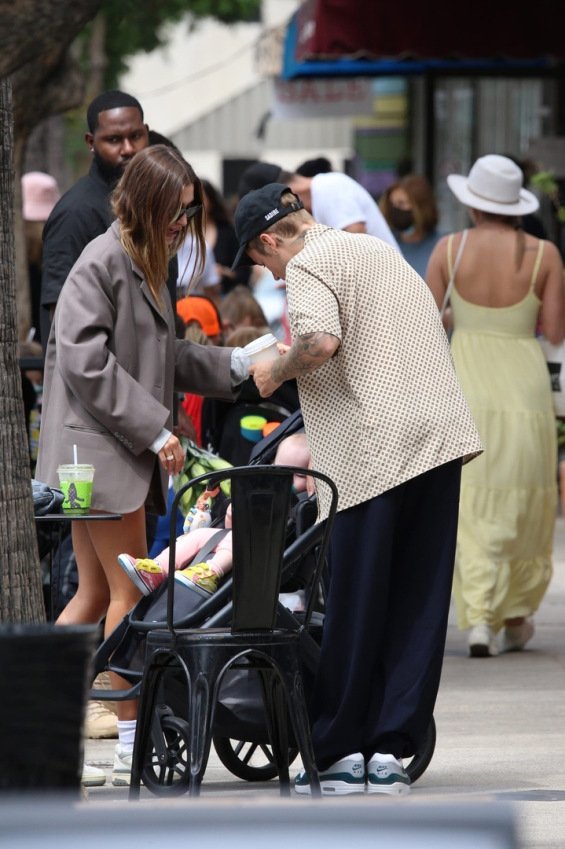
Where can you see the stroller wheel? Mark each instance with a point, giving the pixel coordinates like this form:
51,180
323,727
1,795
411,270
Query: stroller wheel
166,770
421,760
247,760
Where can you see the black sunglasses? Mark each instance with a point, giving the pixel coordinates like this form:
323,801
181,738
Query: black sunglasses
189,211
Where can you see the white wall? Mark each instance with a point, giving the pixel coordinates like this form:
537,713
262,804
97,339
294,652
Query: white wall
199,69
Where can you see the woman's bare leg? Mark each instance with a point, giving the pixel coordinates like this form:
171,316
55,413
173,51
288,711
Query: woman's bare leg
103,587
108,539
91,600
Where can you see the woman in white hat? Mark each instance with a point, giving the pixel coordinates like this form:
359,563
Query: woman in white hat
506,285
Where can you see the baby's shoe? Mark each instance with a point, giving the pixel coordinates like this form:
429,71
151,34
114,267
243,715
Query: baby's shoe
200,574
146,574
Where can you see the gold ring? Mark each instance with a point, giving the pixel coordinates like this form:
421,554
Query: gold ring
170,458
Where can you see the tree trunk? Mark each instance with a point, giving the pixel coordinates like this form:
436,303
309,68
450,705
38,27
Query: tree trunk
21,597
28,29
51,84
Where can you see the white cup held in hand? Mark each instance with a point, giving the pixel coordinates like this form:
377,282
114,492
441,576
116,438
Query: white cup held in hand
263,349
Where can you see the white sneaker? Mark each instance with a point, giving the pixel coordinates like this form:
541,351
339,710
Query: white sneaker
92,776
385,774
515,637
341,778
121,774
482,642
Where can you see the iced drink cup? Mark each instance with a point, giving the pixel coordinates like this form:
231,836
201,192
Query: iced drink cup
76,485
262,349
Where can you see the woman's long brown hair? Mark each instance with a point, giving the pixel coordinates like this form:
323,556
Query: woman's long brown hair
146,201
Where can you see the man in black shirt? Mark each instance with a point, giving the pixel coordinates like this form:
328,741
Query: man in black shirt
116,132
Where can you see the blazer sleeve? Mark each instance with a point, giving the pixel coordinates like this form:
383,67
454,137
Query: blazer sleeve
204,370
85,320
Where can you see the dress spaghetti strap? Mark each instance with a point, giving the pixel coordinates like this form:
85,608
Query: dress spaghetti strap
537,264
450,255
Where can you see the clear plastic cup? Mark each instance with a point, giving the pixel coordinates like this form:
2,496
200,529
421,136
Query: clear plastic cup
262,349
76,485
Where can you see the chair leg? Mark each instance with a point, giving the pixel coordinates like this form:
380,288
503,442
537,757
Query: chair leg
151,679
301,727
276,713
200,731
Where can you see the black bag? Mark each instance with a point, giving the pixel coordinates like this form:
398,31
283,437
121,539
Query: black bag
46,499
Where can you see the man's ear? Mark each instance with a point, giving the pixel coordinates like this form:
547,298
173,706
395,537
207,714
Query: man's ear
268,240
89,139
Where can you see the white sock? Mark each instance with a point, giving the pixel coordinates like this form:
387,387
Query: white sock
126,733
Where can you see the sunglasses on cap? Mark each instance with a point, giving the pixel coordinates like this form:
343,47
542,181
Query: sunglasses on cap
189,211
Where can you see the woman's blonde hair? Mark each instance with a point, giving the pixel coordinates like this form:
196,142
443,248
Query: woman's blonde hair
146,201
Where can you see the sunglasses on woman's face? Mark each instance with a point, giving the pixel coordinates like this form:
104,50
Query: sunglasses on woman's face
189,211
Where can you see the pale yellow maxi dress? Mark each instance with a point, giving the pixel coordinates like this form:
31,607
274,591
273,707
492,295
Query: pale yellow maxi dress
508,494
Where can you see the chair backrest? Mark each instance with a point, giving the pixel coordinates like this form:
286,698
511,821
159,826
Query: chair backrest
261,499
260,507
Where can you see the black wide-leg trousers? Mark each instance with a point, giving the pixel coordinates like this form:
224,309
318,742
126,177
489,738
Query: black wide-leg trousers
391,570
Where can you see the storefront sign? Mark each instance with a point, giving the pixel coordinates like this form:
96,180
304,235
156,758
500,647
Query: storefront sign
323,98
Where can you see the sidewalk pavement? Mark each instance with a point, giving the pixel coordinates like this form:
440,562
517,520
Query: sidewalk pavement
500,736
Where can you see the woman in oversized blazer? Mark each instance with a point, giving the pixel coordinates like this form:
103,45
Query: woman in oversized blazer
112,365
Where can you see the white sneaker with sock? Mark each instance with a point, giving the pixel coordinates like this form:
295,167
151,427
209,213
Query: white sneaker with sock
121,774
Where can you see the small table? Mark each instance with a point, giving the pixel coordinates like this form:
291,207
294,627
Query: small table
58,522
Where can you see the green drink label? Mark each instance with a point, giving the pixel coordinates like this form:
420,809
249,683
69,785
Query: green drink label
77,494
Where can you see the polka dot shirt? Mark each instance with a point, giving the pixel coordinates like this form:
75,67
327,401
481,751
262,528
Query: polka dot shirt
388,405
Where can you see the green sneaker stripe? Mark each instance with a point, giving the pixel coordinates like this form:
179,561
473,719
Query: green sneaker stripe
342,776
394,778
304,780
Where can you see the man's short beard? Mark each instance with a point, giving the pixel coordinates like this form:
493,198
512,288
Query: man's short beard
110,173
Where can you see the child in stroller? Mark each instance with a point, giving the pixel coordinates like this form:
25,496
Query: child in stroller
204,554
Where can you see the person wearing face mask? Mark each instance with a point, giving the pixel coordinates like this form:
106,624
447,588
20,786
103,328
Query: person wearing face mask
410,209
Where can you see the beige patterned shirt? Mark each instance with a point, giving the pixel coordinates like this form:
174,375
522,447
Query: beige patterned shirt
387,406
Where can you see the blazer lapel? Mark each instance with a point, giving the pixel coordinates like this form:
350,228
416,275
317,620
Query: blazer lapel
143,285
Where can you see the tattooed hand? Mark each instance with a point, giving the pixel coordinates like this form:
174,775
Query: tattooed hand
308,353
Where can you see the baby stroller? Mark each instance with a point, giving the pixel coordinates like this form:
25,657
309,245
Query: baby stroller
240,734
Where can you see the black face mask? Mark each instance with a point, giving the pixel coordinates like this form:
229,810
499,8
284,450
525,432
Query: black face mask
400,219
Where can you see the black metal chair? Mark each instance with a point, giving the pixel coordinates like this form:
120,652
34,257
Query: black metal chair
255,636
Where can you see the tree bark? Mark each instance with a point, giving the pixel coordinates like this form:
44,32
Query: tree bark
50,85
28,29
21,597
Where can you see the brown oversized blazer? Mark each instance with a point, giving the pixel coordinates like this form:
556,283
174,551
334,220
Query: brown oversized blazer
111,367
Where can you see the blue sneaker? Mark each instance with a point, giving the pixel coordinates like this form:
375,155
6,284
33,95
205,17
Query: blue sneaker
341,778
385,774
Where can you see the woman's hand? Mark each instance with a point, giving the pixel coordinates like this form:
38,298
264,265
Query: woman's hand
171,456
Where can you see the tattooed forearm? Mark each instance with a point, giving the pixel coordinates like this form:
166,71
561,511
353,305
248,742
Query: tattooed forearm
308,353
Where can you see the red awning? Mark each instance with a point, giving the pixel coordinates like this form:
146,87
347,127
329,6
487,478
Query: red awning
415,29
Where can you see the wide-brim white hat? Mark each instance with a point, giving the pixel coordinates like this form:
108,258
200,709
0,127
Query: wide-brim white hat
494,185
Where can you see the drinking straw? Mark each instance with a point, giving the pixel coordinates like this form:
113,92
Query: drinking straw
75,455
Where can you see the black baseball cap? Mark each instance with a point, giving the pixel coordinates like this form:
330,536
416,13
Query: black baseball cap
255,213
